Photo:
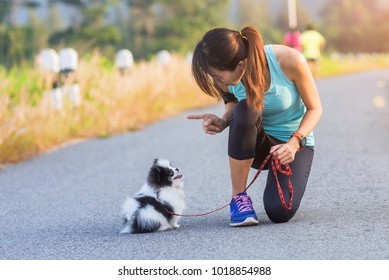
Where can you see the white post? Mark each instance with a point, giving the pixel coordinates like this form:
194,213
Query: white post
68,66
68,59
163,57
292,14
189,57
49,62
74,95
124,61
57,98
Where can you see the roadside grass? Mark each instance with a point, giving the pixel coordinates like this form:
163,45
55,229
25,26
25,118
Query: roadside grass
338,64
111,103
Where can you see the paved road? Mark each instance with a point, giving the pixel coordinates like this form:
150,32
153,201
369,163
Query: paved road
66,204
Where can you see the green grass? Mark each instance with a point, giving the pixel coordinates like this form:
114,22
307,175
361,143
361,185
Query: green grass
351,64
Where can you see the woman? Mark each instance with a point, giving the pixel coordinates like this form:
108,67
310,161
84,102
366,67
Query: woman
271,106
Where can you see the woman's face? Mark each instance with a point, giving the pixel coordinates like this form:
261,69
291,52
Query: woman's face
224,78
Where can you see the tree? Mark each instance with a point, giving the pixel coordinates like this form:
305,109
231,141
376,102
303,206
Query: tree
303,17
180,24
5,9
356,25
17,43
141,26
175,25
54,21
257,13
91,30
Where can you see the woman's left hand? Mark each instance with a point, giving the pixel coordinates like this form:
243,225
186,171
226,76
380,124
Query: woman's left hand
284,152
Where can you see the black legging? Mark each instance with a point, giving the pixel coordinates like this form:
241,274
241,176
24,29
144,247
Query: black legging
248,140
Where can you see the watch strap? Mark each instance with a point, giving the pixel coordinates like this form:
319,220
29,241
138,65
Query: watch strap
301,137
298,135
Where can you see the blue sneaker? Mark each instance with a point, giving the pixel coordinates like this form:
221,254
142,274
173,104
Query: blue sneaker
242,211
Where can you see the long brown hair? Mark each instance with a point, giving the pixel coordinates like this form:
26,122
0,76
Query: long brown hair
223,49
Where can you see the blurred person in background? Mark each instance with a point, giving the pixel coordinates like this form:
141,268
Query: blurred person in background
312,43
292,39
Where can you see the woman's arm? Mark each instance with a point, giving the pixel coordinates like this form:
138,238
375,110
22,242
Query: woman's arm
306,87
229,107
297,70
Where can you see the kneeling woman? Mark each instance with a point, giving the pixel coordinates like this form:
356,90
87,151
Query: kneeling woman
271,106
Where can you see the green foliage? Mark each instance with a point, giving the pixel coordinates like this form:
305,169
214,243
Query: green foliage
175,25
257,13
357,25
181,23
103,62
303,17
5,7
94,37
147,26
21,81
92,32
79,3
17,44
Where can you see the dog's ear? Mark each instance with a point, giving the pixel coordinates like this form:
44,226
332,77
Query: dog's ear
159,176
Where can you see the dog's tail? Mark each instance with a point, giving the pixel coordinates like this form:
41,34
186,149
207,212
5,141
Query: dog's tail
140,224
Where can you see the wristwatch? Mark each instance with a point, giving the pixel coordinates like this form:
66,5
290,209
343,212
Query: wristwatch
302,139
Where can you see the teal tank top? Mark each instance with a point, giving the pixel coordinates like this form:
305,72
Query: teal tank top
283,108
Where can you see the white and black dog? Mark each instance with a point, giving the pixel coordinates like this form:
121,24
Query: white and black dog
151,208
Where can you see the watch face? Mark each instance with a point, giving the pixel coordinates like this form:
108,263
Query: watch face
303,142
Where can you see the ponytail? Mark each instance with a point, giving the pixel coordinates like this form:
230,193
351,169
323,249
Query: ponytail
253,79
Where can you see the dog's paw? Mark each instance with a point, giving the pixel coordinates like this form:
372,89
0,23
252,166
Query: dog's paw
176,226
163,228
126,229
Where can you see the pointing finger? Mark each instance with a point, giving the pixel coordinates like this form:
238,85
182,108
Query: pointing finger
196,117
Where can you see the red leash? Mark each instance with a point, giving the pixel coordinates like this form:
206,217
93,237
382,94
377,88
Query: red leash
275,166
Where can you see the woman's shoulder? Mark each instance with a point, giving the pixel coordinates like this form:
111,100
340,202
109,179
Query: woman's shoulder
287,55
289,59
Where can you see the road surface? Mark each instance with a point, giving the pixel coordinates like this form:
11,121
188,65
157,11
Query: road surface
66,204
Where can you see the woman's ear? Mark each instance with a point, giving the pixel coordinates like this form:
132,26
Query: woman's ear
242,64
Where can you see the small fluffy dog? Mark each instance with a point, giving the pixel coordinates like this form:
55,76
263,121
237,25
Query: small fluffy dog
151,208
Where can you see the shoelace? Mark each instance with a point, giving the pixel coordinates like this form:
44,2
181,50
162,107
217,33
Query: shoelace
244,203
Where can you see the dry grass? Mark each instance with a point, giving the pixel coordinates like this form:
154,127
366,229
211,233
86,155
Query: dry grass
111,104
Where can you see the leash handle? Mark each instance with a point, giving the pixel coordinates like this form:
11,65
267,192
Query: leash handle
276,166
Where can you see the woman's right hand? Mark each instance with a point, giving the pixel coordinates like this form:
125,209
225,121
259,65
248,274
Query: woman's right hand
212,124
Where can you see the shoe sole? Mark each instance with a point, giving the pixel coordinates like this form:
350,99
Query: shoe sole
250,221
